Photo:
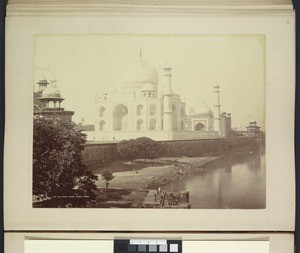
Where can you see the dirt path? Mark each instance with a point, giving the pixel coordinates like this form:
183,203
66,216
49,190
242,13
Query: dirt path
152,177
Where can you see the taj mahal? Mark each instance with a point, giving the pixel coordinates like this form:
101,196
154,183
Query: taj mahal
147,106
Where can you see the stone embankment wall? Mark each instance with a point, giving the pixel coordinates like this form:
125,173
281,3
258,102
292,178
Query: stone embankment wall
106,153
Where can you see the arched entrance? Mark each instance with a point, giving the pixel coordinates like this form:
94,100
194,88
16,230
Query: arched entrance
101,111
152,110
199,127
139,124
119,112
152,124
174,116
101,125
139,110
182,125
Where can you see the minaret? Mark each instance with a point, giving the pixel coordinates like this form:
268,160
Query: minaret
217,110
167,113
167,79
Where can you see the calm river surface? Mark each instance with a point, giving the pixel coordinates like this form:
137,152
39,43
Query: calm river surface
232,181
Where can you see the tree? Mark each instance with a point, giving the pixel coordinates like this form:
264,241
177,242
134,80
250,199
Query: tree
58,168
128,149
148,148
157,150
107,176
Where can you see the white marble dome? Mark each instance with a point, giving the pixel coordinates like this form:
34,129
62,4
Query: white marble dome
139,73
148,87
204,109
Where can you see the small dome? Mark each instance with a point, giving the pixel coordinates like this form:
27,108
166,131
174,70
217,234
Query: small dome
204,109
51,91
148,87
140,73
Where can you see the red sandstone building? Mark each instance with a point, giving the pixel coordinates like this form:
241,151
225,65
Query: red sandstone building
47,102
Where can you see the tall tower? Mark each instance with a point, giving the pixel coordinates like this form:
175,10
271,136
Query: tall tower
167,79
217,110
167,94
165,83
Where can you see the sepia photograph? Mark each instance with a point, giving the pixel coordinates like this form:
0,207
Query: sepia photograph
149,121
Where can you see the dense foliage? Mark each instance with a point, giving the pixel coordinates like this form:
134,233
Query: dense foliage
148,148
58,168
142,147
129,149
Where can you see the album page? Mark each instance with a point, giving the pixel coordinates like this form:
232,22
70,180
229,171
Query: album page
166,120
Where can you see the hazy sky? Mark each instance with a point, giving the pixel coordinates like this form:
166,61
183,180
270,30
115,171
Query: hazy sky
84,65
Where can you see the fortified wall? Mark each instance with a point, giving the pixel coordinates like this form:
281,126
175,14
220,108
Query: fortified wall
106,153
158,135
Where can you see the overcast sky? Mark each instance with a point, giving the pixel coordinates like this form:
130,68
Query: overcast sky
84,65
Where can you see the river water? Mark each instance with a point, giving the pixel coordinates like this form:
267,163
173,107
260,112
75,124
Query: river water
236,181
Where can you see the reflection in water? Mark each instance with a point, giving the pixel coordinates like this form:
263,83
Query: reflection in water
232,181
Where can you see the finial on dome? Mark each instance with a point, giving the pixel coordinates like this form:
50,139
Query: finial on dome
167,67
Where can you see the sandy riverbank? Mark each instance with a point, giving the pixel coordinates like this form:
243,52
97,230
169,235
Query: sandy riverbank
153,176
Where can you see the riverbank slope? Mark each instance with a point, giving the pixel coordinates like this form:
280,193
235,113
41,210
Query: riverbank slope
131,183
